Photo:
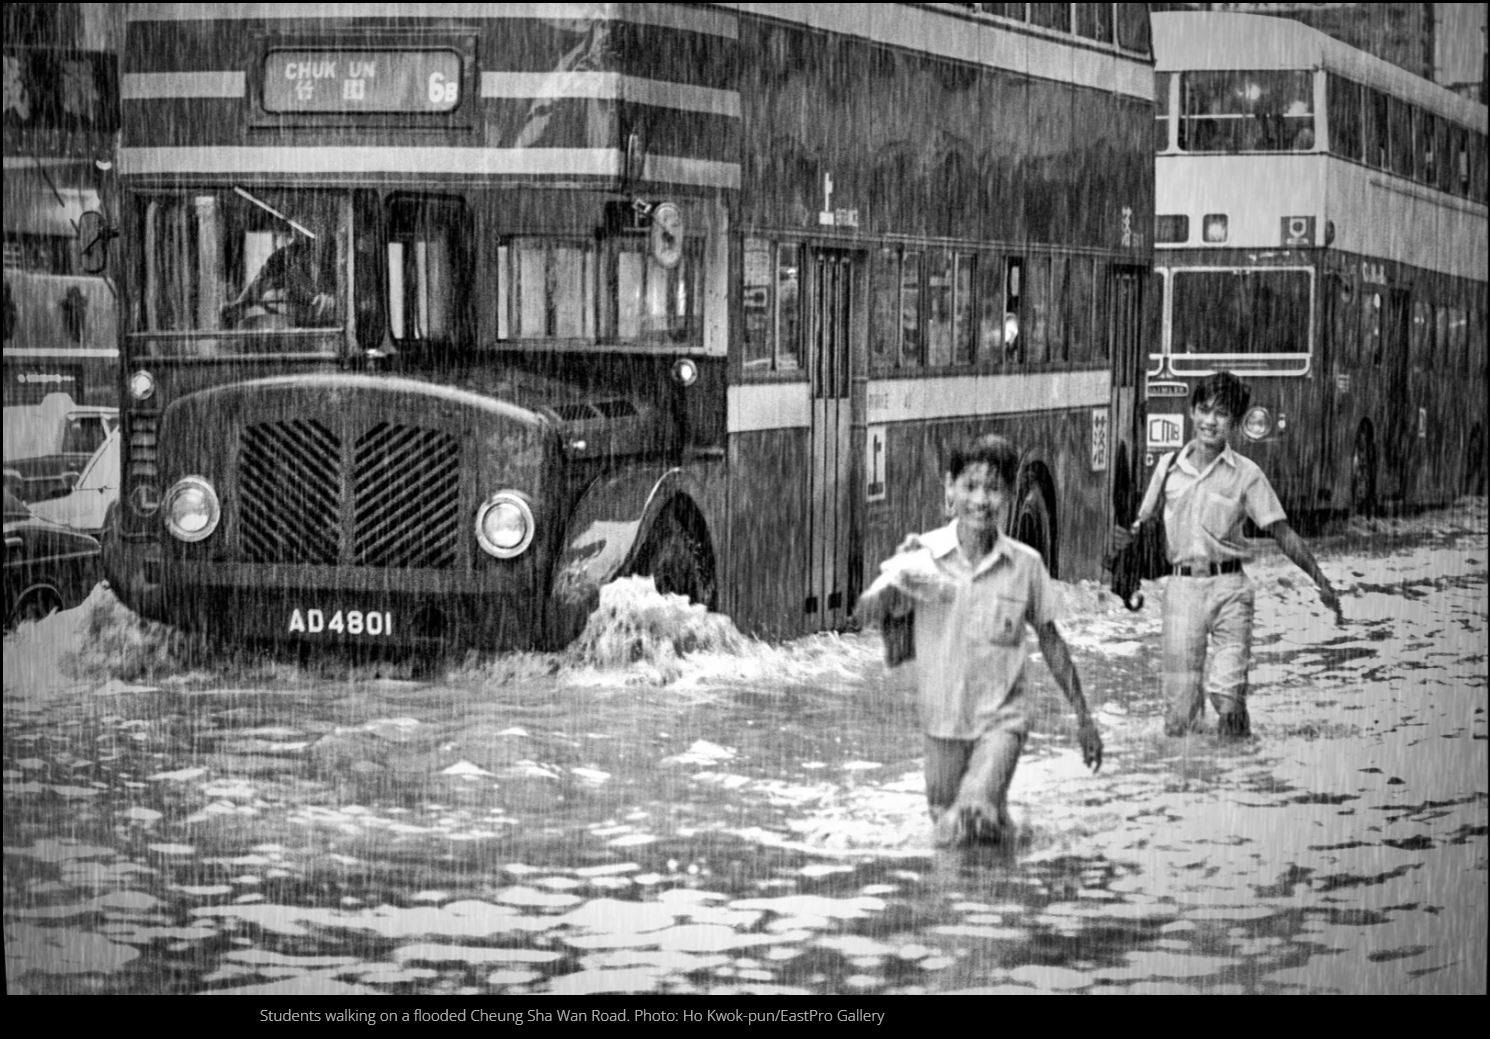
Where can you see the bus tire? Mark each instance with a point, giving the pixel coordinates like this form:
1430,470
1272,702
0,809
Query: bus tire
678,562
1032,524
1363,474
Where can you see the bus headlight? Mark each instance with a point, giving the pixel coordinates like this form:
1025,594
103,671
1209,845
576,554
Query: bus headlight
504,525
192,511
1258,423
142,385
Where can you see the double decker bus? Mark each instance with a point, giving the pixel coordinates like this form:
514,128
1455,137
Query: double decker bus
440,317
61,122
1321,231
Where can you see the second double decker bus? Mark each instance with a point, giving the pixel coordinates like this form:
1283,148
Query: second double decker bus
440,316
1321,231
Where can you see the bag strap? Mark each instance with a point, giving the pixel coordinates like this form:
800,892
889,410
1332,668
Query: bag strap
1168,468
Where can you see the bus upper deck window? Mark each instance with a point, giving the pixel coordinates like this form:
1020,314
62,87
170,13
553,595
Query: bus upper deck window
1246,111
1133,28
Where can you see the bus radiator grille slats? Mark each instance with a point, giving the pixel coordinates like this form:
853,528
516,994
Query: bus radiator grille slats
290,492
406,497
389,500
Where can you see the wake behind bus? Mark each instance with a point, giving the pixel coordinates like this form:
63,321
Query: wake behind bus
440,317
1321,231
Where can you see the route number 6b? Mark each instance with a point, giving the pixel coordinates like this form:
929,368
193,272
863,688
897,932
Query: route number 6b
443,91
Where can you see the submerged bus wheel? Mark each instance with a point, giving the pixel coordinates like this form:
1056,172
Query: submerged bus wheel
1032,522
679,563
1363,474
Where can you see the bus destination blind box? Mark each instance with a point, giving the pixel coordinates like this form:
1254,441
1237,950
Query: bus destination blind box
362,81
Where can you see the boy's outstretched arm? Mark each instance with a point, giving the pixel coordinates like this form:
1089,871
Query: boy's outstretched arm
1292,546
1058,659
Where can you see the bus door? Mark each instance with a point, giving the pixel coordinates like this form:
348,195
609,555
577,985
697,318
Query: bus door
832,532
1400,416
1128,353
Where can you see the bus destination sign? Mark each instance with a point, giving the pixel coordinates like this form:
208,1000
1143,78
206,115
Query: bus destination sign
361,81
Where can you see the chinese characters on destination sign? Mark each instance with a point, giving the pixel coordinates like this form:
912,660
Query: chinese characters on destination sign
361,81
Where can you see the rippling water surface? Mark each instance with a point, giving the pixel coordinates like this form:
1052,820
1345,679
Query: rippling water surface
671,808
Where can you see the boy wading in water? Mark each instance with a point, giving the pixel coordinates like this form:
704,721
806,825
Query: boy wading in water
1208,600
974,590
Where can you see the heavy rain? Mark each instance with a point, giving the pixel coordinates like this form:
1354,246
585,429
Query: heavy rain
593,785
672,808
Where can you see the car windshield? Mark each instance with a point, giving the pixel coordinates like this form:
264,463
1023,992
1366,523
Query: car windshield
241,260
102,471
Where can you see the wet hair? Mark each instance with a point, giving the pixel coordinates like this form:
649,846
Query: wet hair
1224,390
995,451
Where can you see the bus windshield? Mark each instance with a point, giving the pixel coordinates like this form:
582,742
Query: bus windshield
1240,312
240,260
1246,111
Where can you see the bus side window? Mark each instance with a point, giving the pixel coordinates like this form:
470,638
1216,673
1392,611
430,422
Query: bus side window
1477,169
1346,347
1420,338
1037,310
884,326
1371,332
756,306
938,309
1401,139
1376,132
964,334
546,288
788,306
426,269
1344,108
990,281
1081,347
910,311
1458,164
1444,156
1014,337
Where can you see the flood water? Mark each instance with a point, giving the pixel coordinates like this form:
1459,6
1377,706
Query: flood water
670,808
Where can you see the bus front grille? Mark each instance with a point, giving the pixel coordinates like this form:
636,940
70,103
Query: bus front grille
289,479
406,497
385,496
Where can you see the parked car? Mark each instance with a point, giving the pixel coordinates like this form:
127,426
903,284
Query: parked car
48,567
97,488
47,444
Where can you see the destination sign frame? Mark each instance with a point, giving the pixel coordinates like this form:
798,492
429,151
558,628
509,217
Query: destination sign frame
347,81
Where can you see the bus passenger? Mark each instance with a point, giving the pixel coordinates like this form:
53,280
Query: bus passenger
290,291
1210,492
974,590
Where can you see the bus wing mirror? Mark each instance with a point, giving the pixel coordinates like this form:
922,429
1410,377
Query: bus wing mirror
94,234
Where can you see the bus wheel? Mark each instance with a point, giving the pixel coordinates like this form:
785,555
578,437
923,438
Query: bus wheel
35,605
1363,474
1032,521
1473,479
678,562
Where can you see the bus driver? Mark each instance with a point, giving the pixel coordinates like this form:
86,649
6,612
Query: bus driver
288,292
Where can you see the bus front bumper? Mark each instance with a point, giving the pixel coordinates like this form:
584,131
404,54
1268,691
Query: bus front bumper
323,605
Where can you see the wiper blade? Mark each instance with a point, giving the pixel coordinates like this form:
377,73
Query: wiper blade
266,207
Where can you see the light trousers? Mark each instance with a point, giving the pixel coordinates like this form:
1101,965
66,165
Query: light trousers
1207,646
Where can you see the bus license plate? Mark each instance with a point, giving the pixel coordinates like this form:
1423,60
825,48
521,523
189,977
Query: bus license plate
373,623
